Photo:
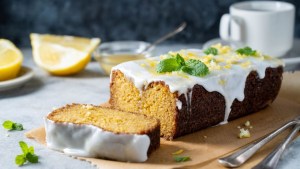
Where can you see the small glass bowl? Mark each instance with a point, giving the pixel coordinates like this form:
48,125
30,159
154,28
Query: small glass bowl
111,54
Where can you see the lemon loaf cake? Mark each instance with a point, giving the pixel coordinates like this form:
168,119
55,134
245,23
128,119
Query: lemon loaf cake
193,89
93,131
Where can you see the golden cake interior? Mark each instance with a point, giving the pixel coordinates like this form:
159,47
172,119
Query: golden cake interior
104,118
125,96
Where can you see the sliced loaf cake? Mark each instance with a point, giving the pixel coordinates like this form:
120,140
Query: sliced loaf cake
93,131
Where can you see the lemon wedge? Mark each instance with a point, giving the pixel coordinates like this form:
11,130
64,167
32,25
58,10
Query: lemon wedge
62,55
10,60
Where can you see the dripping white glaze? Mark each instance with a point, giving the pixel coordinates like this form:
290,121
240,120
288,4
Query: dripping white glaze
189,99
178,104
141,73
90,141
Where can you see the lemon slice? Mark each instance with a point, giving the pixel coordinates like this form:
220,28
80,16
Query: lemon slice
10,60
62,55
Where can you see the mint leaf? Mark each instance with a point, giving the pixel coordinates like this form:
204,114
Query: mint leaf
168,65
23,146
28,154
247,51
31,150
32,158
211,50
8,125
20,160
195,68
18,126
180,59
182,158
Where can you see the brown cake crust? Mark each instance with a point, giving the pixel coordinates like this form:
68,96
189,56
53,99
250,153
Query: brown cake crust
207,109
154,136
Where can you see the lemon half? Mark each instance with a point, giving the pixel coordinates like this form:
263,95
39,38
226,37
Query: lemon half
62,55
10,60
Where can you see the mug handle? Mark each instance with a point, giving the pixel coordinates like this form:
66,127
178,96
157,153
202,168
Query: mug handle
224,29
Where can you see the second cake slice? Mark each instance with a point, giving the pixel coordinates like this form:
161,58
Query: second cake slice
93,131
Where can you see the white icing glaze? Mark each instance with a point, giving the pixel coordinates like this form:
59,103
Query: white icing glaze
91,141
178,104
228,81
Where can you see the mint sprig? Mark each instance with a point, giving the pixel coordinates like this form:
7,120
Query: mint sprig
247,51
28,155
177,63
211,50
182,158
9,125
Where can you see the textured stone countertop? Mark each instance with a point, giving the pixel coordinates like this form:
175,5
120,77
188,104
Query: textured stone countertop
30,103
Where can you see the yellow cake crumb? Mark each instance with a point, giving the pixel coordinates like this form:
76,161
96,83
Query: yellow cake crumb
245,64
228,66
222,82
247,123
220,59
181,74
191,55
244,133
151,63
206,58
213,65
87,106
222,49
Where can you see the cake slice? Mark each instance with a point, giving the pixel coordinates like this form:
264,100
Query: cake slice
192,89
94,131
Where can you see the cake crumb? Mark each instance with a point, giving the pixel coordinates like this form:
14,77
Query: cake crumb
88,106
244,133
222,82
251,127
145,83
88,113
205,137
238,127
247,124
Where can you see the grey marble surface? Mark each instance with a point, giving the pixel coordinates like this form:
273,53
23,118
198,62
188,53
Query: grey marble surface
30,103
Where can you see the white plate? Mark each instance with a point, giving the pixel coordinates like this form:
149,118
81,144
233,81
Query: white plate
24,76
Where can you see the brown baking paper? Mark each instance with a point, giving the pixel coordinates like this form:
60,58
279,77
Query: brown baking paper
206,146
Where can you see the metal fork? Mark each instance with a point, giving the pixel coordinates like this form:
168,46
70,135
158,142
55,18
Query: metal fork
240,157
271,161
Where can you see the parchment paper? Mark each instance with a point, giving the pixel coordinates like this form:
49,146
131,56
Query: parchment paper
206,146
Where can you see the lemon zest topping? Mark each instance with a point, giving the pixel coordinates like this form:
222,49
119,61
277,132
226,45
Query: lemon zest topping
178,152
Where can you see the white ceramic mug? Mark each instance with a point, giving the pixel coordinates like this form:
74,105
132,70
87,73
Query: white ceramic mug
267,26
